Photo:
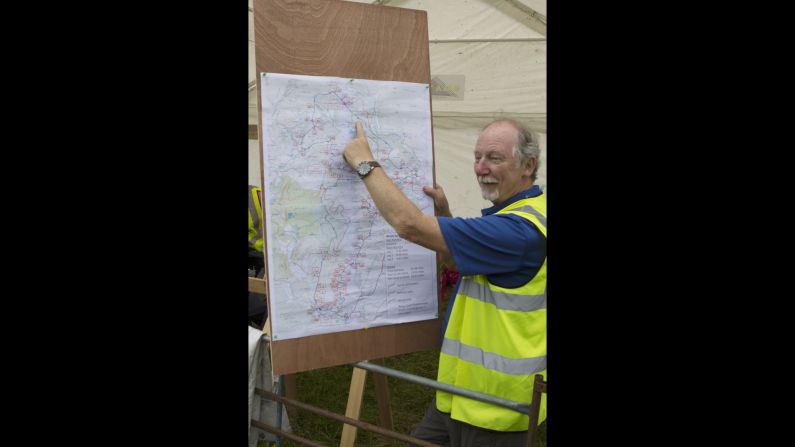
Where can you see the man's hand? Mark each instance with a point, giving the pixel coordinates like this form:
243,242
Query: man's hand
358,150
439,200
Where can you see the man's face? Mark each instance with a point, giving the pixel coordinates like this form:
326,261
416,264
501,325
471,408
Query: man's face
495,165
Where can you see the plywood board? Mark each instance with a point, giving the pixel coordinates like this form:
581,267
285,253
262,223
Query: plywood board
353,40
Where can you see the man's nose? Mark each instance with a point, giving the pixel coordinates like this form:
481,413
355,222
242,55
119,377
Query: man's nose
481,167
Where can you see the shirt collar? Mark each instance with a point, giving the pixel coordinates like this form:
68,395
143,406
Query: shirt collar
532,191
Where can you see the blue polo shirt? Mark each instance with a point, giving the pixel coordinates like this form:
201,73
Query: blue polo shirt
508,249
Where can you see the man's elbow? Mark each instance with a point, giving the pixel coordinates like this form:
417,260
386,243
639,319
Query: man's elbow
404,231
408,232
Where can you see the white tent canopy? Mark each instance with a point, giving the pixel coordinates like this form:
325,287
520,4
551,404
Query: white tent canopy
488,58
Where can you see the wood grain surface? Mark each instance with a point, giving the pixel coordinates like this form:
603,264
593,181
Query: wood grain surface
345,39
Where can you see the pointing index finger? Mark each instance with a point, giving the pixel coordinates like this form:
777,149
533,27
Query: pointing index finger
359,129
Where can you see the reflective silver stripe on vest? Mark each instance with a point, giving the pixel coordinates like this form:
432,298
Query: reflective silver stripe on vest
530,210
252,210
494,362
503,301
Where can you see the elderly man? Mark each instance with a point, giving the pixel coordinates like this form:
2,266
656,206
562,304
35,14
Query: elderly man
495,329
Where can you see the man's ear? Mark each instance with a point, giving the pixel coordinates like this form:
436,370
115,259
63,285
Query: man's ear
530,166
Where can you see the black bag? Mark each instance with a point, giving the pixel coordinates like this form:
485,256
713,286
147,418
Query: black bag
257,303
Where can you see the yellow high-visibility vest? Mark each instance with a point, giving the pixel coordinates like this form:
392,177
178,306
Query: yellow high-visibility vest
496,341
255,217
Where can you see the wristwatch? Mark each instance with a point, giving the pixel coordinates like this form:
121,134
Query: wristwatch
366,167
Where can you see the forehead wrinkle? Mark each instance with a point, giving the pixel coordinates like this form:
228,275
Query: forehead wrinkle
500,137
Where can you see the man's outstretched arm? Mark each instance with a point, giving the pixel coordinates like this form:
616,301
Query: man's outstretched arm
400,212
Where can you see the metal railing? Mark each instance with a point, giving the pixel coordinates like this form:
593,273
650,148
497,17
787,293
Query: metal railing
519,407
494,400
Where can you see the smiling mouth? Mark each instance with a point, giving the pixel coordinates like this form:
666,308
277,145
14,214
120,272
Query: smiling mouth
487,181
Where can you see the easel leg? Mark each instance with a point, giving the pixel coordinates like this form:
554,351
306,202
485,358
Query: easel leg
279,407
354,408
291,392
382,397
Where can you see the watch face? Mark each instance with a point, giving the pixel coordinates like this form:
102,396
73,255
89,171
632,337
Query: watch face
364,168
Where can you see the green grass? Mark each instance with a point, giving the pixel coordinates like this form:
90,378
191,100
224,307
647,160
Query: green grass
328,388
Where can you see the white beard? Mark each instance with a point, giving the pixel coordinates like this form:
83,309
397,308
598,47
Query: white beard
490,196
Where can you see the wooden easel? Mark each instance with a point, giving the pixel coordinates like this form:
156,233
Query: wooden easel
369,42
355,396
